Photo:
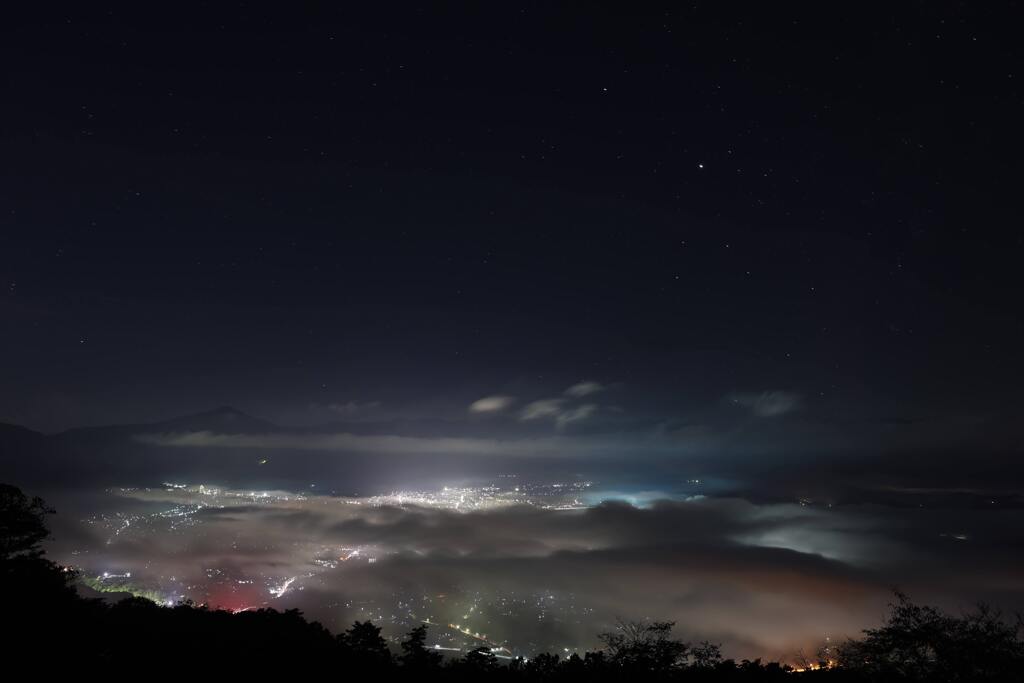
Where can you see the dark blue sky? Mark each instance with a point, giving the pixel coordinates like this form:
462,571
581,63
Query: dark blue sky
786,229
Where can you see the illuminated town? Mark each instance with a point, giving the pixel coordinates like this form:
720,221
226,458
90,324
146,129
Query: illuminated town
460,620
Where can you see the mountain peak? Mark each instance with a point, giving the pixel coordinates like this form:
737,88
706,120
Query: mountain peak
227,411
224,419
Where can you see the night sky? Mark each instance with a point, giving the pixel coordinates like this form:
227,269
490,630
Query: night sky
774,247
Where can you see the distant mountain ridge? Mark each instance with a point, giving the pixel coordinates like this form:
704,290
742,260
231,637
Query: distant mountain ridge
222,420
228,420
114,455
16,434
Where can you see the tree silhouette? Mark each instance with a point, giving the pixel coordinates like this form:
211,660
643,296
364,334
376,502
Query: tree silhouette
480,661
921,643
416,655
544,666
705,655
25,574
22,523
645,646
365,646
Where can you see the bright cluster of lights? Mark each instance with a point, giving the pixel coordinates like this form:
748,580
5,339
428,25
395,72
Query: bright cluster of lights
463,621
560,496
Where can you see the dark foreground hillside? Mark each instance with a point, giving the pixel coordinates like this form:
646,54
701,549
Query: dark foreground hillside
50,628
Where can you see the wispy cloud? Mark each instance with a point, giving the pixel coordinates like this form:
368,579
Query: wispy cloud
581,389
491,404
767,403
544,408
575,414
562,410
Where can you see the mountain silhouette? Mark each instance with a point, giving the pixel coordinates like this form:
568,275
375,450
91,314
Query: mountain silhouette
115,454
143,455
223,420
